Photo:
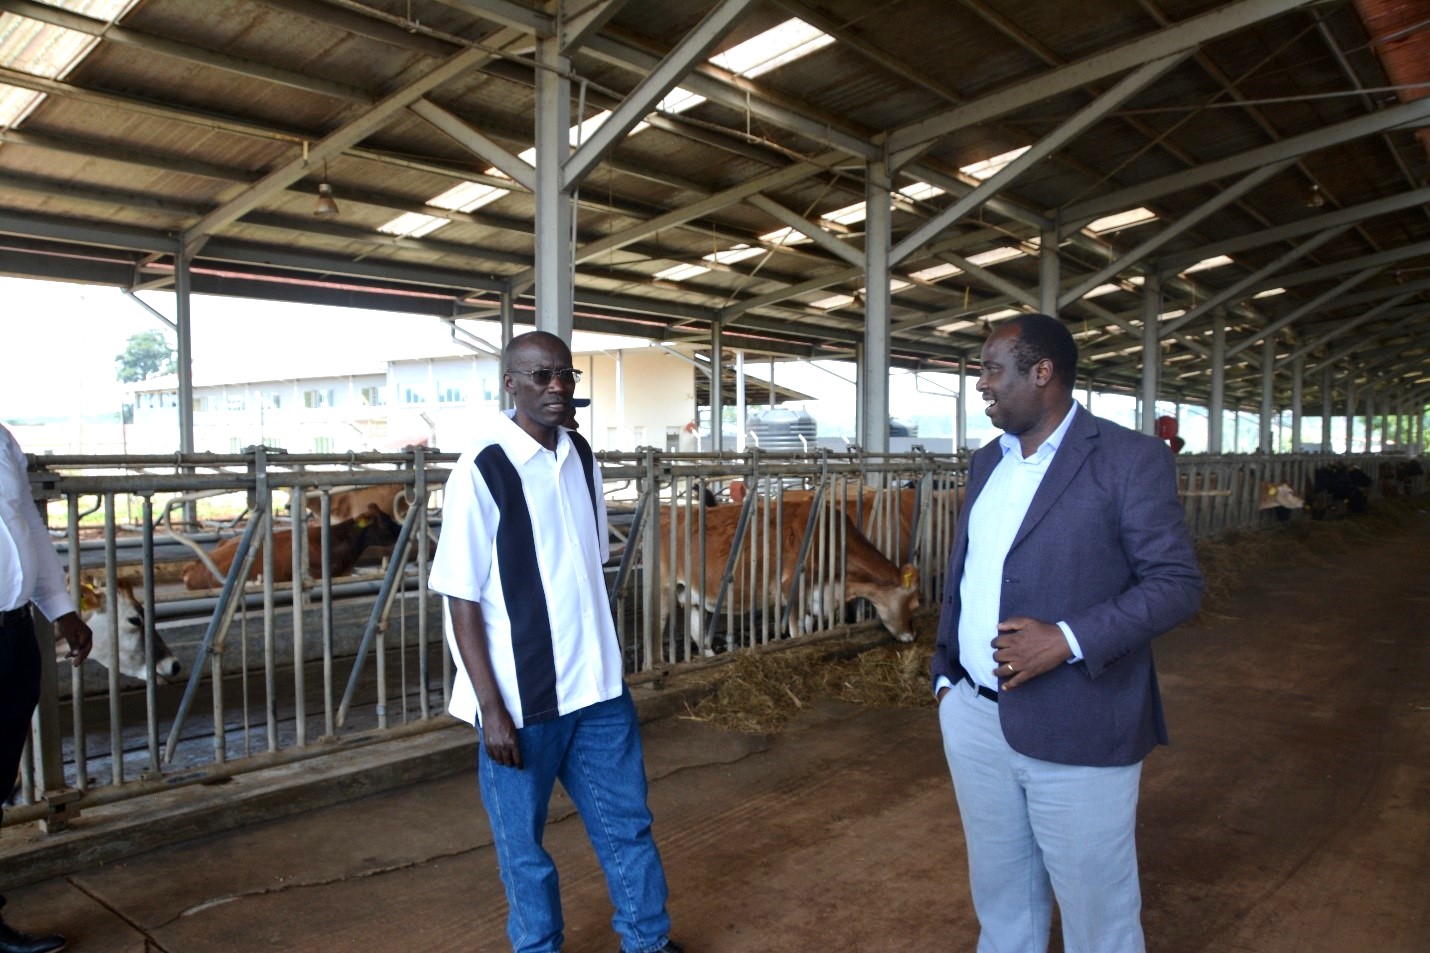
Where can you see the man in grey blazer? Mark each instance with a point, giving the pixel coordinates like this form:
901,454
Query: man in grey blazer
1072,554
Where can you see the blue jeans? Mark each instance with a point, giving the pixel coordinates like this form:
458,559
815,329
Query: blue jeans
596,754
1037,831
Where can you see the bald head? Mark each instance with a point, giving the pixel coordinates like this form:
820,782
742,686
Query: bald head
524,347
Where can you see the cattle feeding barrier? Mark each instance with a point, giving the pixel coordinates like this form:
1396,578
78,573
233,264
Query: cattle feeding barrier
279,671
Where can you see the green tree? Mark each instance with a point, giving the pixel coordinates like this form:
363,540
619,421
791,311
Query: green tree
146,354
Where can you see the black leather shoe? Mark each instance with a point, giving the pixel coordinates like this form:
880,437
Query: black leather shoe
13,941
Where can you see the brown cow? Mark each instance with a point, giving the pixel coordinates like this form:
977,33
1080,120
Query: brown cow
390,498
348,539
892,590
876,511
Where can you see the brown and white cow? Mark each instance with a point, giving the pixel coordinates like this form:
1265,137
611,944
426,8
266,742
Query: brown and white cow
347,541
887,516
891,589
1279,495
390,498
94,610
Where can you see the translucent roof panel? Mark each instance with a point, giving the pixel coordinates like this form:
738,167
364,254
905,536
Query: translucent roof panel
40,49
412,225
1216,261
991,167
772,49
1112,223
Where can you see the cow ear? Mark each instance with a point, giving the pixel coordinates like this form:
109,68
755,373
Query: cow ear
910,576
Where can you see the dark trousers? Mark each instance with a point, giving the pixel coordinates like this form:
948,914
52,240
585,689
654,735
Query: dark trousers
19,694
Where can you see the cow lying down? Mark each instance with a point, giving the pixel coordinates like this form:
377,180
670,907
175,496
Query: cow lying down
892,590
347,541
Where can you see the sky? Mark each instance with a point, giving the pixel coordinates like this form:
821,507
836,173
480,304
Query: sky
60,342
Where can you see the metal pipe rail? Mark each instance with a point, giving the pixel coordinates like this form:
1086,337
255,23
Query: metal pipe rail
287,685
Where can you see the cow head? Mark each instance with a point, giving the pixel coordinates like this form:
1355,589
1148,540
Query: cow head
894,604
127,629
376,528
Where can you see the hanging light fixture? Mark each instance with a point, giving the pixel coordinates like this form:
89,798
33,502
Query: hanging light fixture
327,206
1314,198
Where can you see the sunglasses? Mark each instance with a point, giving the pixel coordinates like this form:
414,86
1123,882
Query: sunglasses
542,375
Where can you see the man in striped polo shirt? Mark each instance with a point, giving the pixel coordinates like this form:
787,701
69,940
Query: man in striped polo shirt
539,668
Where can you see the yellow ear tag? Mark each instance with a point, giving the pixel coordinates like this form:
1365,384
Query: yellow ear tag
910,577
362,522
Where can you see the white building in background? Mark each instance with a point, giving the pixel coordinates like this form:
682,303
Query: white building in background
641,395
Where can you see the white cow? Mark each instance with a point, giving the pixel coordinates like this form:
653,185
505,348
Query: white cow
93,608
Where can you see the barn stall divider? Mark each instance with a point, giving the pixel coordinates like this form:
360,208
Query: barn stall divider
710,554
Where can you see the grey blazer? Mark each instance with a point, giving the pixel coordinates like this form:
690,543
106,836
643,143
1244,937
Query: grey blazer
1104,548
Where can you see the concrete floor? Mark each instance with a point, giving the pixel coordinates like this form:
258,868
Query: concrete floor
1289,816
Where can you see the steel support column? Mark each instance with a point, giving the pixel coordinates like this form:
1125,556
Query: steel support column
1217,398
717,385
1351,411
508,331
1369,419
1268,380
961,415
1049,273
1151,352
554,288
183,319
1327,395
1298,374
874,367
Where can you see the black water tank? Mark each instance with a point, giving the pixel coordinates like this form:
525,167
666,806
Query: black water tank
780,429
902,428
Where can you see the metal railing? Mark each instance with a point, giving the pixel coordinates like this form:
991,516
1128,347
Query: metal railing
279,667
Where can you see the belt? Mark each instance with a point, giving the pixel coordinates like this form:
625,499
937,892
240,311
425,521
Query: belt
14,616
983,691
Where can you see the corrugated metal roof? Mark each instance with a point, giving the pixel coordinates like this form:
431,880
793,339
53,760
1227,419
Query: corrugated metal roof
182,107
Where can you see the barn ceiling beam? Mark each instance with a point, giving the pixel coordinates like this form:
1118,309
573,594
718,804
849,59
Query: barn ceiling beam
105,151
108,151
1183,224
1406,114
653,87
1350,215
1310,307
346,20
818,283
910,140
175,49
340,139
576,30
712,203
820,236
1085,118
478,143
1347,326
508,14
988,278
1390,256
1236,288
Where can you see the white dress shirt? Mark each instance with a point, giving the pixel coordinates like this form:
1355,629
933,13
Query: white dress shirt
993,523
569,553
30,569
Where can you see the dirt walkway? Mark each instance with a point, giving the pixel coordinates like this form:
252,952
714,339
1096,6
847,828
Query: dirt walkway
1289,816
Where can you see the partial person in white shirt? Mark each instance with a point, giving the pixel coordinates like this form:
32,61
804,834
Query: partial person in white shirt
539,666
30,577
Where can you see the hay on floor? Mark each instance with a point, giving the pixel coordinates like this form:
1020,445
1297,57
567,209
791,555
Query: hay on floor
761,691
